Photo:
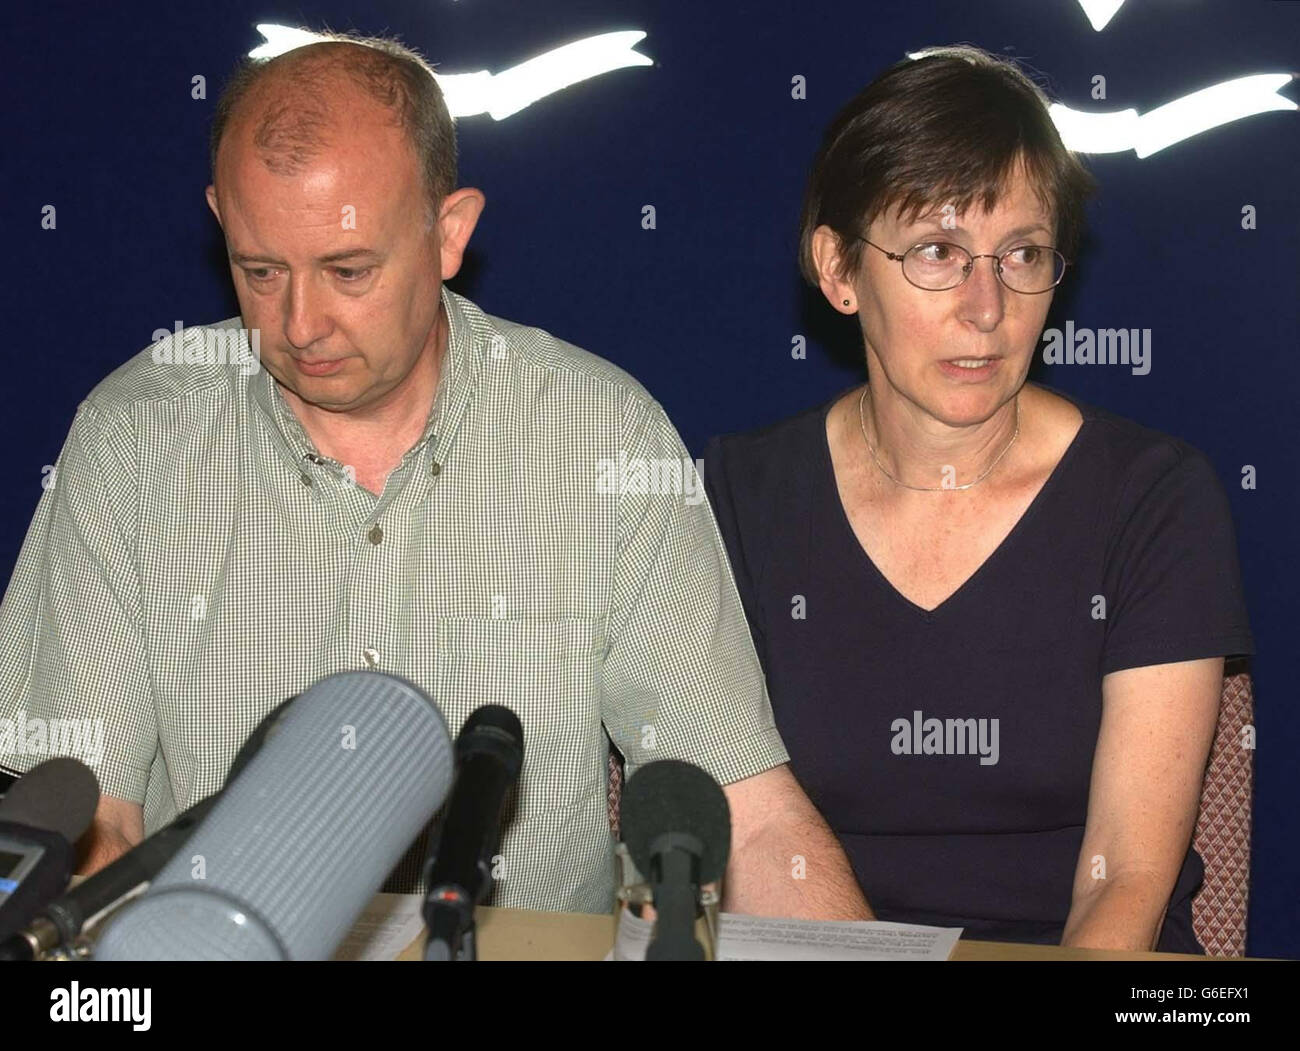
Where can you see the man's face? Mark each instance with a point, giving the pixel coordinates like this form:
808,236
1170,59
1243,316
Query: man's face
335,264
917,336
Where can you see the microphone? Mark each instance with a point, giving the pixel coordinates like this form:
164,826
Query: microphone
458,872
677,828
41,818
58,925
302,839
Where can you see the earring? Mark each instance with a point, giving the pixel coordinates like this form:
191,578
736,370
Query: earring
846,302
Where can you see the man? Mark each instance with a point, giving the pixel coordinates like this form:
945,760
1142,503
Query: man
409,485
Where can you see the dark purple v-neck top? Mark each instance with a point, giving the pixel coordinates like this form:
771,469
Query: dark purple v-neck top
1125,558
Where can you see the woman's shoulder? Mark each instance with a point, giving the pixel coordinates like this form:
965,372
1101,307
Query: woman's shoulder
1132,457
773,447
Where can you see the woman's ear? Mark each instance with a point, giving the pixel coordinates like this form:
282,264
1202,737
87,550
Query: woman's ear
828,261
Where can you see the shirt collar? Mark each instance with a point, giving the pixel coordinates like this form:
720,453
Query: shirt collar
456,382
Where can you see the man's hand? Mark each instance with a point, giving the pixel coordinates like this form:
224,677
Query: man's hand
785,860
117,827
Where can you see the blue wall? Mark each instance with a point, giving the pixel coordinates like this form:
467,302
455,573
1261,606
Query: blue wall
703,309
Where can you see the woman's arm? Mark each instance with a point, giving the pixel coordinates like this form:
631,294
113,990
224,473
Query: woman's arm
1157,725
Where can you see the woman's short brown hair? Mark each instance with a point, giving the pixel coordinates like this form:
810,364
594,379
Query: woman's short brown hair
947,127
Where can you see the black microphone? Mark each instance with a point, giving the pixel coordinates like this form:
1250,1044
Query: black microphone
59,924
41,818
677,828
458,872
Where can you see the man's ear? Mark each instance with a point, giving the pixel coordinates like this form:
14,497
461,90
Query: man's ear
456,221
827,261
212,202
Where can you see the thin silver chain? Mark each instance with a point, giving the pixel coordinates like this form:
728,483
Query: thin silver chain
931,488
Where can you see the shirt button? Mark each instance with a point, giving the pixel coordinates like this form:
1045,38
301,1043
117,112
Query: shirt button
435,468
305,477
372,656
376,534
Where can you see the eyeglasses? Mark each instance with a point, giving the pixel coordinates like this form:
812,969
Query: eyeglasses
937,266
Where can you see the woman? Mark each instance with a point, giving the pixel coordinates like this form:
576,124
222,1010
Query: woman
993,620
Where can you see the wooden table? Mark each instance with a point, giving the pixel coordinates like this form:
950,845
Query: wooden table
525,934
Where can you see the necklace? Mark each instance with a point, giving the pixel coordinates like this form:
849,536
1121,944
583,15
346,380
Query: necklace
932,488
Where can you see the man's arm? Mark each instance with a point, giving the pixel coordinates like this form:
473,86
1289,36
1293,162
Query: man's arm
681,680
117,827
1156,728
785,860
71,627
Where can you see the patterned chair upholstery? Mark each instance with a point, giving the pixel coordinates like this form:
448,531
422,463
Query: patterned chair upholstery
615,790
1222,836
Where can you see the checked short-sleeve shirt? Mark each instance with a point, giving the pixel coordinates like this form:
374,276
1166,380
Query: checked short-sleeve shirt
196,561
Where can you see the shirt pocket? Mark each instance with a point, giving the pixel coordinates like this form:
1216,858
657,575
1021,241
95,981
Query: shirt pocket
548,673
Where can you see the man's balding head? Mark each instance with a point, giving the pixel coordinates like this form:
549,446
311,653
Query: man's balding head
333,180
291,107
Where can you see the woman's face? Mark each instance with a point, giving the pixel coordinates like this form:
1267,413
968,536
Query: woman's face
915,338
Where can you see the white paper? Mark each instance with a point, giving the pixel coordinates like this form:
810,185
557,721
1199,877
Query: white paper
386,926
759,938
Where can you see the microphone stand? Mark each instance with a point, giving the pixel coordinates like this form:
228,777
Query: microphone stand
675,887
449,915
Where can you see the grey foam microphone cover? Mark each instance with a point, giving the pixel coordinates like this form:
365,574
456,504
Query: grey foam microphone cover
303,838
